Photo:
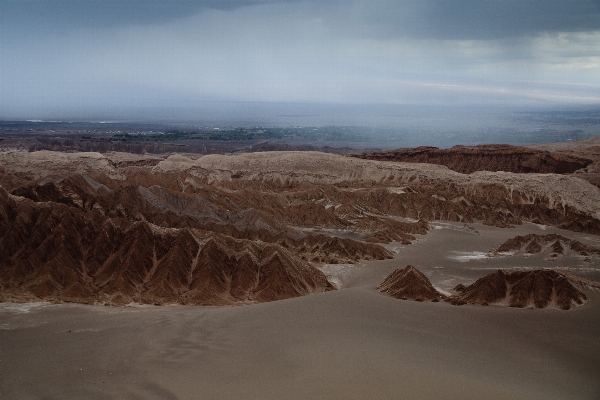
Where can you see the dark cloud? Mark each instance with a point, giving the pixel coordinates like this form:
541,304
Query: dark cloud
63,15
479,19
91,52
420,19
469,19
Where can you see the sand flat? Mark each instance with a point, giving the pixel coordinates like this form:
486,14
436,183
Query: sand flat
352,343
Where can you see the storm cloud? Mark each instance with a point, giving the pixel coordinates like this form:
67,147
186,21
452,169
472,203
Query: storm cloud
81,56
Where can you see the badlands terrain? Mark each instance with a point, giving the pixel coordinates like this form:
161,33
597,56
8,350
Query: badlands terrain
324,253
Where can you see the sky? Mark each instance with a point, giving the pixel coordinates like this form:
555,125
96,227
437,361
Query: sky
84,58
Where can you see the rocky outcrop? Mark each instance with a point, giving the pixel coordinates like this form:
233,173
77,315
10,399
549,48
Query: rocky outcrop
588,149
317,189
386,230
409,284
335,250
555,246
494,157
43,164
523,289
58,253
92,227
417,191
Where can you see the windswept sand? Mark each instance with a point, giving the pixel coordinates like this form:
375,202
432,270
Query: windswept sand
353,343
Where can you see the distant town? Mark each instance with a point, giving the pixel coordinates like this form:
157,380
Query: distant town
524,128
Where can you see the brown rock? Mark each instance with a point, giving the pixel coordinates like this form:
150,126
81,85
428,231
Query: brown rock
491,157
409,283
555,245
233,229
460,288
487,290
522,289
60,253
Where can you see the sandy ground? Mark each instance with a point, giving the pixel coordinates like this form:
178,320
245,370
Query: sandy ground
354,343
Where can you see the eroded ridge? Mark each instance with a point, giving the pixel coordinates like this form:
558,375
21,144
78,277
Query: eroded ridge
409,283
540,288
554,246
490,157
523,289
57,253
93,227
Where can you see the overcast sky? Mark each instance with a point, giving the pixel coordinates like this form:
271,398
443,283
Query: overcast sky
81,56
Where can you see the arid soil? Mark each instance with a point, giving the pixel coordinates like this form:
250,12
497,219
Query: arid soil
120,228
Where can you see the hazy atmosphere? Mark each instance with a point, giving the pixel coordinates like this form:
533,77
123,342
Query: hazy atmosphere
187,59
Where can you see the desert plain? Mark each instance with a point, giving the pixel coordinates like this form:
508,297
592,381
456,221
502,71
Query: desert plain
255,276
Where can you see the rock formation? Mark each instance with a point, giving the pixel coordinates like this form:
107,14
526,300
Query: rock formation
416,191
317,189
523,289
554,245
539,288
386,230
55,252
468,159
409,283
588,149
117,228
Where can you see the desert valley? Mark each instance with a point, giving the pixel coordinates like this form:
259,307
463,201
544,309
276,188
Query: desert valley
299,199
412,273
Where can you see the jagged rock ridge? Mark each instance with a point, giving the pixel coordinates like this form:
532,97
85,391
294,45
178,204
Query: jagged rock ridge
522,289
53,252
316,189
258,200
555,245
494,157
409,283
